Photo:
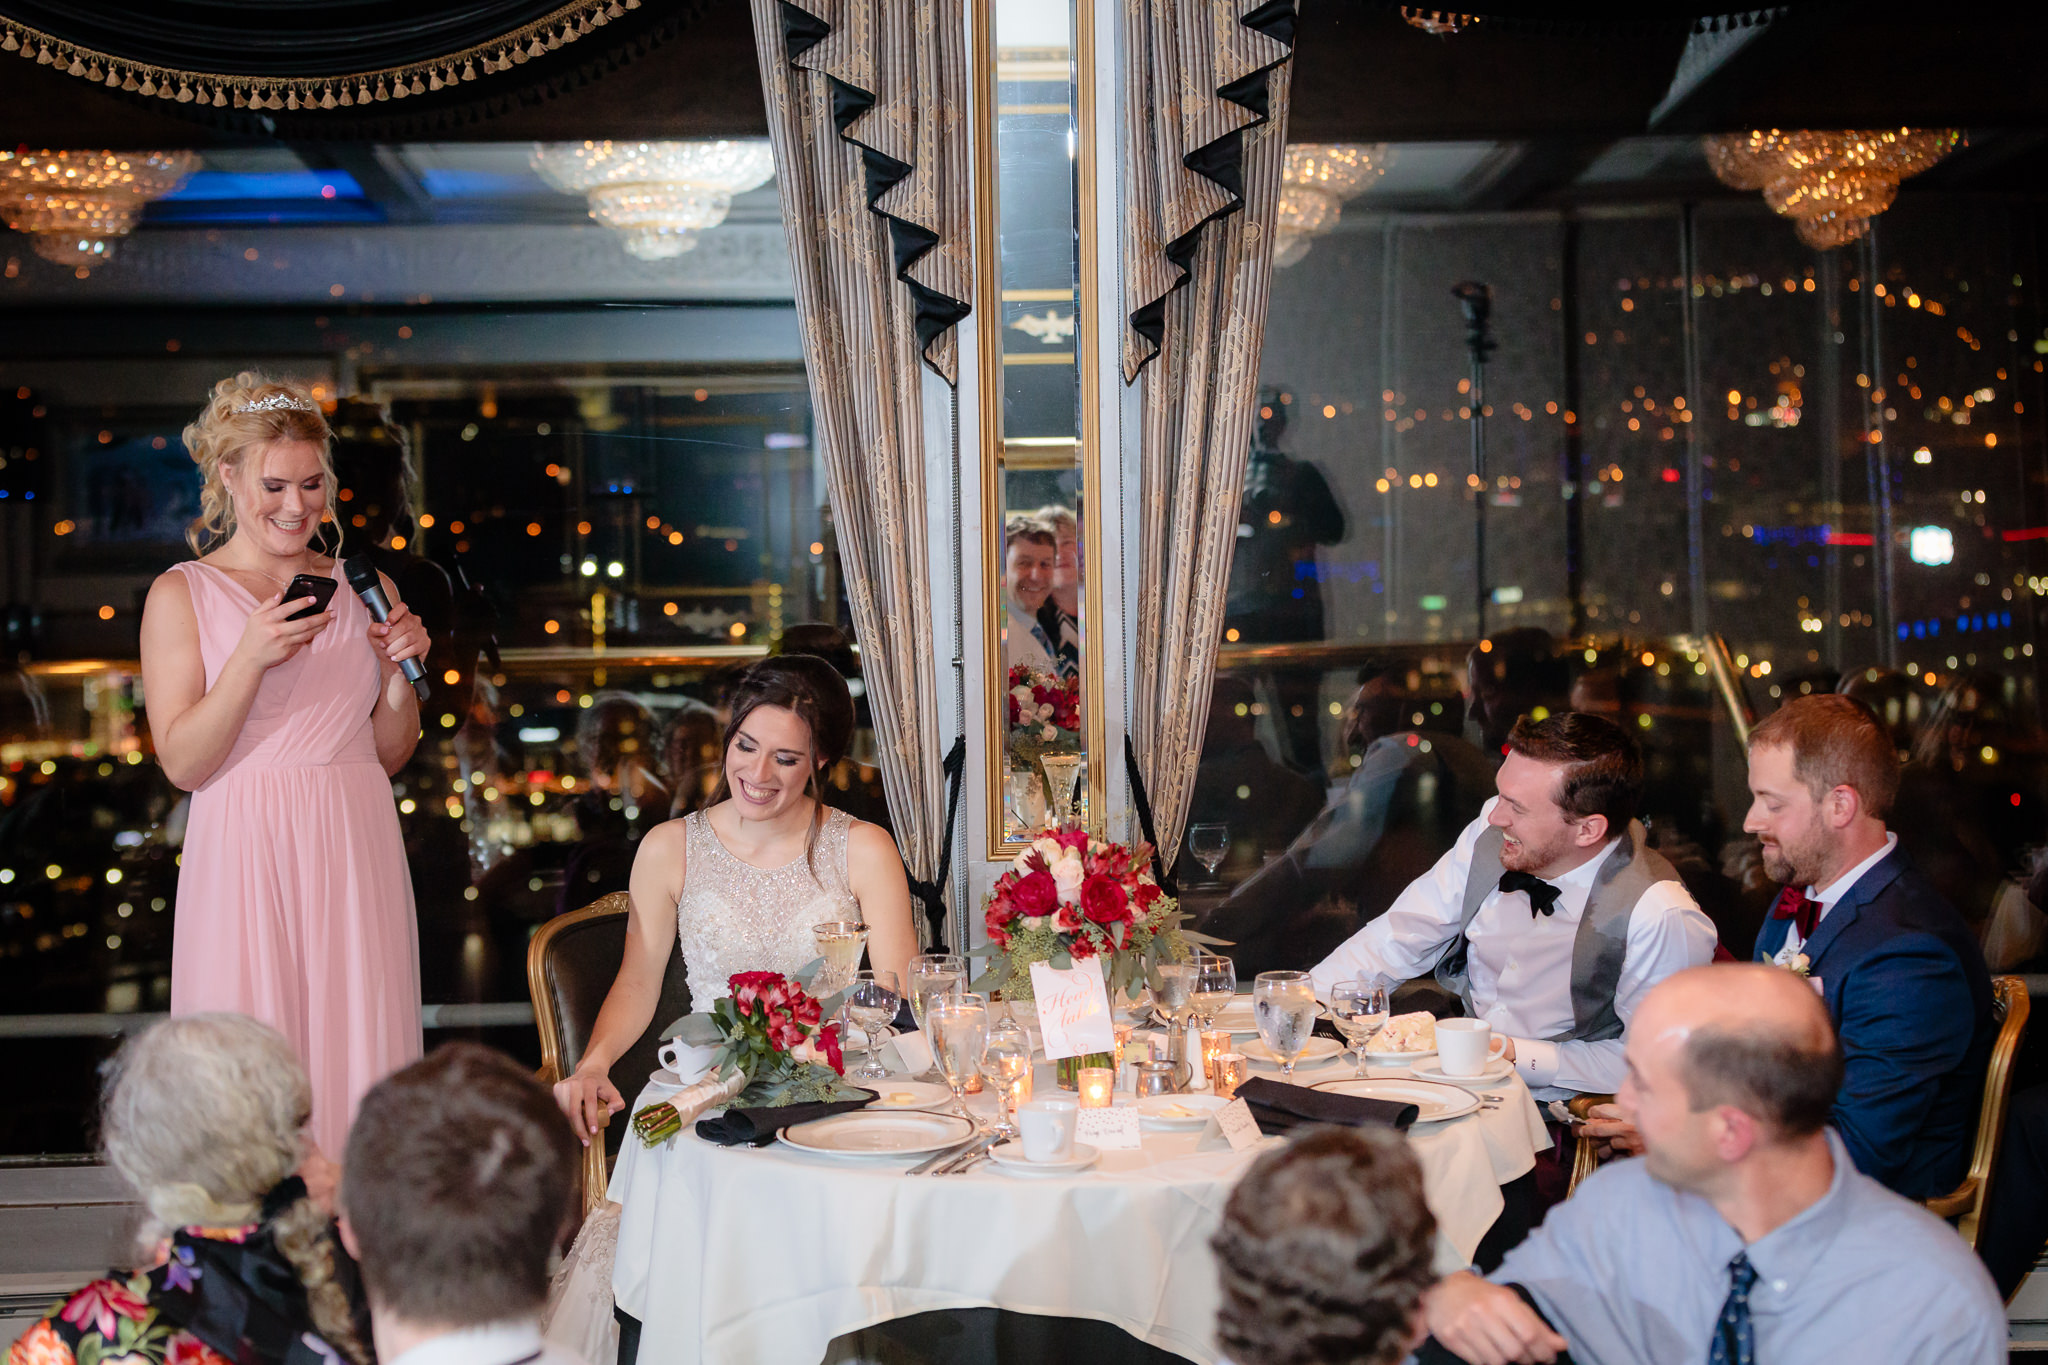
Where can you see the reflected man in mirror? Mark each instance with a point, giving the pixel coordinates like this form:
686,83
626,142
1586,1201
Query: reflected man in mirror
1030,551
1275,594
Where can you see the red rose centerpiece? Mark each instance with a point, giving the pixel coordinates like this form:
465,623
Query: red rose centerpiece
1071,896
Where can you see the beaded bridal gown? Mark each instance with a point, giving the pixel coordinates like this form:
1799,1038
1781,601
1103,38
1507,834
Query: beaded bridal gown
732,917
735,917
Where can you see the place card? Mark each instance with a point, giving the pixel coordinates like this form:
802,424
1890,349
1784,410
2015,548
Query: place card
914,1053
1112,1130
1073,1009
1235,1124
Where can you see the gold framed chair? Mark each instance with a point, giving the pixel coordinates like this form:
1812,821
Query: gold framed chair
1585,1150
571,962
1965,1204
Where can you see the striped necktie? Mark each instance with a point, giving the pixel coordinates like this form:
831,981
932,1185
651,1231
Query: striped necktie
1734,1339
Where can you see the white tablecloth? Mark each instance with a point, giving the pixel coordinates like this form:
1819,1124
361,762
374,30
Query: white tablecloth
731,1256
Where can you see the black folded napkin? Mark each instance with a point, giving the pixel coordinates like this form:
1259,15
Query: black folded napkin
1280,1107
757,1127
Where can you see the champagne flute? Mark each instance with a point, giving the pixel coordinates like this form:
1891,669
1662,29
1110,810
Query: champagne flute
958,1025
839,942
934,976
1215,987
1285,1005
1359,1010
1006,1059
1209,844
872,1001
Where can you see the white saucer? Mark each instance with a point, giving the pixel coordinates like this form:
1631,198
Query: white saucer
1395,1058
923,1095
1496,1072
1010,1156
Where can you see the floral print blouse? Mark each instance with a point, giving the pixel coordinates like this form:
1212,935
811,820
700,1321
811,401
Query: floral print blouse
133,1320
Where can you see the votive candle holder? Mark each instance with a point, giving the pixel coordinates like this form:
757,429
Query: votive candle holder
1215,1043
1231,1071
1098,1087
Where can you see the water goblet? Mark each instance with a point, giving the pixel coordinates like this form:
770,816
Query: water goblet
958,1025
1284,1003
1006,1059
1358,1009
1215,986
1209,844
872,1001
934,976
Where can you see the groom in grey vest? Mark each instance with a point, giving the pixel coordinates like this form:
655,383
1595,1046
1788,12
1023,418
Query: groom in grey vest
1550,918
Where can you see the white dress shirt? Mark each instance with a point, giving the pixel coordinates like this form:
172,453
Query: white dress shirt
513,1342
1836,889
1520,963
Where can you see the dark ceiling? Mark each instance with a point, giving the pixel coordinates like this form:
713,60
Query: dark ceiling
1361,74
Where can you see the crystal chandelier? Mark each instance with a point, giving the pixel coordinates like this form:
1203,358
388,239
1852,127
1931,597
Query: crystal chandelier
658,195
1317,179
78,205
1829,184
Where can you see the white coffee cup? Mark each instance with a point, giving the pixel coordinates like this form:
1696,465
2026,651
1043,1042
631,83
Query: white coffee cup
686,1062
1047,1127
1466,1047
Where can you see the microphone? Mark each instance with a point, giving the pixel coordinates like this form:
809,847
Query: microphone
362,576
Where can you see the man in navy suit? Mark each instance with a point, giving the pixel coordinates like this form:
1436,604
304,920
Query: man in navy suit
1902,977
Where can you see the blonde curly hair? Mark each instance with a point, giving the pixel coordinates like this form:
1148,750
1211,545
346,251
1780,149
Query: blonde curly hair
202,1116
245,413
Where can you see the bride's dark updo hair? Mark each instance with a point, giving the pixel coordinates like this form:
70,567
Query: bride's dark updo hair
812,689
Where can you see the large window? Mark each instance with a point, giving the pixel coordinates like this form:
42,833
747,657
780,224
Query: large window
616,505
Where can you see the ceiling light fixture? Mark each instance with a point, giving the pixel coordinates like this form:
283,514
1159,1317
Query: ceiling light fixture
657,195
1316,180
1830,184
78,205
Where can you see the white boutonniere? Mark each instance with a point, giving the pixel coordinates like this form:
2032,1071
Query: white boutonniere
1795,962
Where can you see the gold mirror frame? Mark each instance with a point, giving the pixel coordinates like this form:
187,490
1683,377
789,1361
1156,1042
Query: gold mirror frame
996,455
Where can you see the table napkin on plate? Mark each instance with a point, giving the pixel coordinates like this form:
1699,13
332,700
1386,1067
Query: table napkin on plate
757,1127
1280,1107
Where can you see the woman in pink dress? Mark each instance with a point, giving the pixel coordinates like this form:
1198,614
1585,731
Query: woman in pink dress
294,901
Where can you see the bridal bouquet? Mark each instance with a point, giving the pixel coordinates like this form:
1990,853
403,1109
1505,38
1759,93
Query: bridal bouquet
1044,711
773,1048
1070,896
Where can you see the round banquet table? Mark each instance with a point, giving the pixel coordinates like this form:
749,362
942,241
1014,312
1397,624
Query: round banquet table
738,1255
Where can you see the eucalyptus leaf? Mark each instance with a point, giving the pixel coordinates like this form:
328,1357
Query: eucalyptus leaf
697,1030
808,972
992,978
1208,940
984,950
1062,959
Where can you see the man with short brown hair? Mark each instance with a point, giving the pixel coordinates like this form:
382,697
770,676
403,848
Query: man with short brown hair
1902,977
1551,916
454,1197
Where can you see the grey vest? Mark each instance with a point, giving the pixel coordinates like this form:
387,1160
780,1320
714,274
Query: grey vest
1629,870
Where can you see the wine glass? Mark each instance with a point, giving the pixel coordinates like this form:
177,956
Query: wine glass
1358,1009
1173,995
1006,1059
1285,1005
839,943
934,976
958,1025
872,1000
1215,987
1209,844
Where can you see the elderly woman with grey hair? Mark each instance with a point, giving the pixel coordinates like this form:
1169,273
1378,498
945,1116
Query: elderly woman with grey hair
239,1265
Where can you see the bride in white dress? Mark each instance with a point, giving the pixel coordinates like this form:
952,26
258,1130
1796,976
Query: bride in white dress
739,884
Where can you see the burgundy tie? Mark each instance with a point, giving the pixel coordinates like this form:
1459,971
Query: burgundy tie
1793,904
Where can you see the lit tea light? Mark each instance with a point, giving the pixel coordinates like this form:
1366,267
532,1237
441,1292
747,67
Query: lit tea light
1229,1072
1215,1043
1098,1086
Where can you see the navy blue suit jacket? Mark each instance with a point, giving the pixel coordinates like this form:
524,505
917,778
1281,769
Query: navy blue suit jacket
1906,985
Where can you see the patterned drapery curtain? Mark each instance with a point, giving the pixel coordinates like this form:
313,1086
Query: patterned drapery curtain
1205,131
867,108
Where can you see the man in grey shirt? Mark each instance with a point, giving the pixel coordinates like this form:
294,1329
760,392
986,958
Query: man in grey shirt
1744,1235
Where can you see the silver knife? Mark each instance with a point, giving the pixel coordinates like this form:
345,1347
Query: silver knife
973,1149
941,1157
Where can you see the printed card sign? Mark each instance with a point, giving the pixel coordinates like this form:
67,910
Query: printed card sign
1112,1130
1239,1128
1073,1009
914,1052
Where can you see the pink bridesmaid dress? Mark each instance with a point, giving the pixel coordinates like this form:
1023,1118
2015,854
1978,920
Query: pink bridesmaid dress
294,900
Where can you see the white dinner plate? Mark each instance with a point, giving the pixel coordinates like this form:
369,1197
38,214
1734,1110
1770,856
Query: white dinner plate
1433,1102
1010,1156
897,1095
864,1133
1396,1058
1176,1113
1318,1051
1497,1070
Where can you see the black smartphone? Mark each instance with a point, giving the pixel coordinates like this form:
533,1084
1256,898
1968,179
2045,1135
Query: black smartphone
321,590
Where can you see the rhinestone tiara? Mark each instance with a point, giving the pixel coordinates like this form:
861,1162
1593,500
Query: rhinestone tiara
276,402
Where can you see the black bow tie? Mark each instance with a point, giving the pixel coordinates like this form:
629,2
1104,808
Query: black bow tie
1542,895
